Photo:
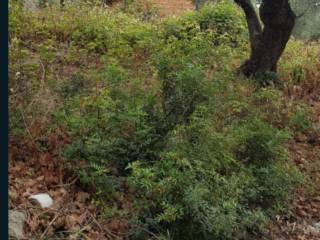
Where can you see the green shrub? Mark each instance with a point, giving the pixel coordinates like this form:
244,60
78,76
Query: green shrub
157,107
18,20
219,23
300,119
262,144
224,21
200,190
144,10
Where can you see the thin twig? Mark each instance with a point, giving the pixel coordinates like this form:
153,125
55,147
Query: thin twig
147,231
108,232
66,184
28,131
42,82
49,225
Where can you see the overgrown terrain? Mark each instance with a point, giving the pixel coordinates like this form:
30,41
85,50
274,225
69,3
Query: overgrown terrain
141,128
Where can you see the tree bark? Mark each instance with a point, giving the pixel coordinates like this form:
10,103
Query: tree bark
267,44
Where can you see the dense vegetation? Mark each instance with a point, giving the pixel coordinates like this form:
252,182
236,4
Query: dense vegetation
158,117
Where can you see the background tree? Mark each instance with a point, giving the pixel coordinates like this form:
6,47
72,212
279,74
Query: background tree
308,19
303,7
270,30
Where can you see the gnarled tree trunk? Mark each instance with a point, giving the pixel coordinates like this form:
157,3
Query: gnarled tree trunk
269,42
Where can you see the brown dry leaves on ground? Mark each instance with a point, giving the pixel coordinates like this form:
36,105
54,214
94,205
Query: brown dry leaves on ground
73,214
305,206
173,7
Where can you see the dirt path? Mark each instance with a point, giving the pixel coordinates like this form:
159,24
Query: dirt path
173,7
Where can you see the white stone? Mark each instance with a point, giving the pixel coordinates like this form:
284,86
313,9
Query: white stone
30,4
43,199
16,223
317,226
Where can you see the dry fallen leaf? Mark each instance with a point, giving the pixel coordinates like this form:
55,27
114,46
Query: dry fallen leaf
82,197
73,221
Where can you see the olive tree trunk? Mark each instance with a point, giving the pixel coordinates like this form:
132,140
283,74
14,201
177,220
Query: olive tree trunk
267,42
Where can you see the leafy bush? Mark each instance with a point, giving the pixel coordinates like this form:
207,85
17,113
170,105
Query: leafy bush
191,179
220,23
202,189
144,10
157,108
301,119
17,20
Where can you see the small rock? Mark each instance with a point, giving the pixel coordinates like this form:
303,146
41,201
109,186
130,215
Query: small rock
30,5
16,223
43,199
315,228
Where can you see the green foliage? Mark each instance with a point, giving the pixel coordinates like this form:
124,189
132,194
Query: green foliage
225,22
144,10
266,78
203,188
17,19
220,23
300,120
155,107
261,143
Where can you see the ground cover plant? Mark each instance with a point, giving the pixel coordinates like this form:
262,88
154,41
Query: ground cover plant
154,120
